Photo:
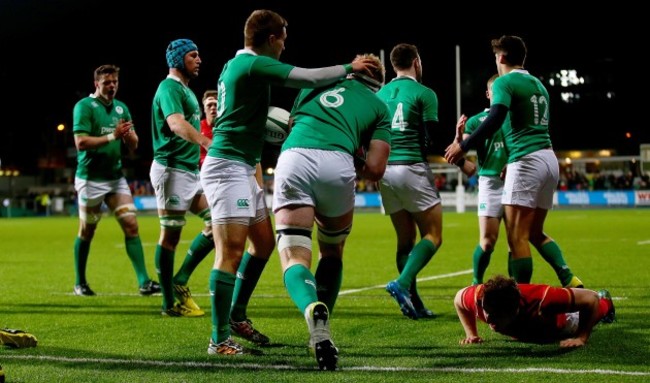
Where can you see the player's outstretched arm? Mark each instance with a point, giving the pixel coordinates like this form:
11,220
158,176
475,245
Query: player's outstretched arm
318,77
587,303
467,319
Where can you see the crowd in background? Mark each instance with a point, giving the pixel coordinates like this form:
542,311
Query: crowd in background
570,180
573,180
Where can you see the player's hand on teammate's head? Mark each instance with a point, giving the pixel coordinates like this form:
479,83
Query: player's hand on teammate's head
364,65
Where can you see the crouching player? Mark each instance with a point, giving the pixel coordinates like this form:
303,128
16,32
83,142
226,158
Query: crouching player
534,313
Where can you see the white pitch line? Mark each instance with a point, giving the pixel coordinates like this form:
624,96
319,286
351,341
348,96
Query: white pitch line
257,366
643,242
455,274
343,292
247,366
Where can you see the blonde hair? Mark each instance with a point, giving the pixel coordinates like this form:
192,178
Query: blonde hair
379,72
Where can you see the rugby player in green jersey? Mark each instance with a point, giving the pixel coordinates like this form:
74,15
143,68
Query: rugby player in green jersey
532,172
174,175
228,172
492,158
101,124
315,183
408,192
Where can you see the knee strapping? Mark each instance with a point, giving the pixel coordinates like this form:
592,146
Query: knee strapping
293,236
174,222
90,217
124,211
333,237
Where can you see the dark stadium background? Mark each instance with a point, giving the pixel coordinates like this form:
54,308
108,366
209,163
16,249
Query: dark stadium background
50,49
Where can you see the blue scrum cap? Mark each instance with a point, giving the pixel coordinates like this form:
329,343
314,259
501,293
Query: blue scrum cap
176,51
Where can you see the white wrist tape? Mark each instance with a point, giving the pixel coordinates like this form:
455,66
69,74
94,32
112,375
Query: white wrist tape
110,137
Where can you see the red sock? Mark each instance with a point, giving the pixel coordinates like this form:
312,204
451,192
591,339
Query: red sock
603,307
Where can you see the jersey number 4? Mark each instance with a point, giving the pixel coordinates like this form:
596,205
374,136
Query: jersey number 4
398,119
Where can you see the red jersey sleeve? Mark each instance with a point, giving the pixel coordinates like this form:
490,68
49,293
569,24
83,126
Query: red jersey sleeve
471,299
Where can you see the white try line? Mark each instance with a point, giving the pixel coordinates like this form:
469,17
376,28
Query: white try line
441,276
643,242
342,292
286,367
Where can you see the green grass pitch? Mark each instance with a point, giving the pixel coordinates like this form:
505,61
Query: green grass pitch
119,336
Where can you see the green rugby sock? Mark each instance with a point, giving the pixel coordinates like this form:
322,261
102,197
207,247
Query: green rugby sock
401,260
329,276
136,255
481,260
248,274
522,269
552,254
222,285
81,251
199,249
165,267
418,258
301,286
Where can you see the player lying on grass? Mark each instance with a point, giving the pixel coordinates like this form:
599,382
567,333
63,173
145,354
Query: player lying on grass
534,313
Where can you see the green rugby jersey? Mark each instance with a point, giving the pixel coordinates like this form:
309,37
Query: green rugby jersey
244,96
340,117
92,117
528,102
410,104
492,156
169,149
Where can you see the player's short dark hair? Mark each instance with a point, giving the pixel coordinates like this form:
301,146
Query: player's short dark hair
500,294
106,69
402,56
513,49
261,24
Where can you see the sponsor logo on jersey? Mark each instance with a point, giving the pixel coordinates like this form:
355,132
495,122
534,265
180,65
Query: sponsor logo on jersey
242,203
